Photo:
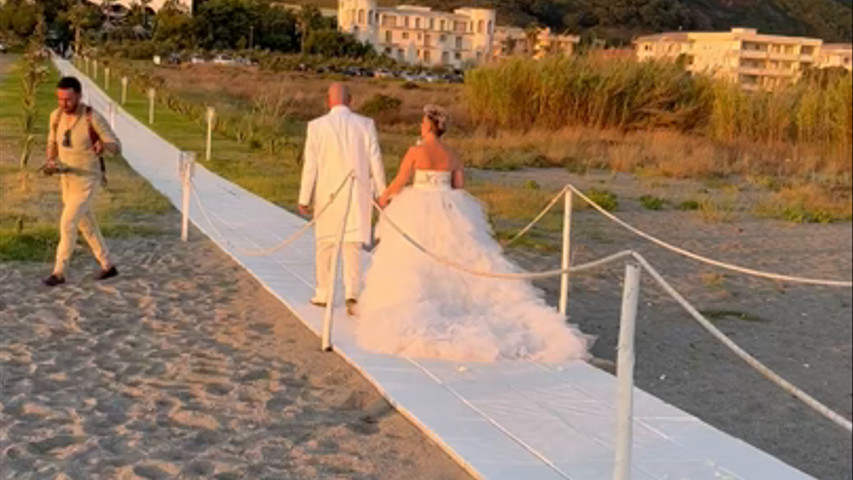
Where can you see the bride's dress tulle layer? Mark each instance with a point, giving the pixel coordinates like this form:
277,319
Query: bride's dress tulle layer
414,306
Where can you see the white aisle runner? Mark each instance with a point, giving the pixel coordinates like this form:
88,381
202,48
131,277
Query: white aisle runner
509,420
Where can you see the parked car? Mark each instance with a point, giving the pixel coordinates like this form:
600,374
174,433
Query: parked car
174,59
381,73
223,59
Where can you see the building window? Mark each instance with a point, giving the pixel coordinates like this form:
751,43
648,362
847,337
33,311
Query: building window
405,35
445,57
491,28
361,18
389,21
442,38
459,43
417,23
432,24
400,54
648,48
370,17
389,36
427,56
442,24
458,56
387,50
427,40
481,26
406,22
420,36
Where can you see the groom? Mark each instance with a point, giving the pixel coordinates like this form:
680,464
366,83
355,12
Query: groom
337,144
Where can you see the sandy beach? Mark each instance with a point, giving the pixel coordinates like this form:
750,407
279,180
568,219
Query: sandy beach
184,367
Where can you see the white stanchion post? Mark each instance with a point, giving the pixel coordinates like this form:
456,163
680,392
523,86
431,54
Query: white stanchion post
107,79
151,95
95,70
111,113
567,253
208,147
123,90
625,374
326,342
186,169
86,62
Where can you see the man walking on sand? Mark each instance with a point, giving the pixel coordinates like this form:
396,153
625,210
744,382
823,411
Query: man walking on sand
338,144
77,138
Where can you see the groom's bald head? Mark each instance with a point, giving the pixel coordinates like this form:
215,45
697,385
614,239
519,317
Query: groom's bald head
339,95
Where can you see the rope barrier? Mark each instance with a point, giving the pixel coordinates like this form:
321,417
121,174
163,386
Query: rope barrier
709,261
740,352
481,273
267,251
538,217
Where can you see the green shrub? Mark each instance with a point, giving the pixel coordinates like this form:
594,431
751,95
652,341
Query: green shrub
380,105
689,205
605,199
650,202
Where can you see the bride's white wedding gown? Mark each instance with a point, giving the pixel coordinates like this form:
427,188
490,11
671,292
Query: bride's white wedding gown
414,306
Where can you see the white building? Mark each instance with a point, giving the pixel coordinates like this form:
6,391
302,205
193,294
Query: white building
838,55
742,55
420,35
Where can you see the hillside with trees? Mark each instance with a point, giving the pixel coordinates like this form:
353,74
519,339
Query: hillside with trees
620,20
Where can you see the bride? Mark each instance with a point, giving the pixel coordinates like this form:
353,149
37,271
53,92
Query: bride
414,306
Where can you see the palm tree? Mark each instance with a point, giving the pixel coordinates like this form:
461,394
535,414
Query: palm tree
308,17
78,15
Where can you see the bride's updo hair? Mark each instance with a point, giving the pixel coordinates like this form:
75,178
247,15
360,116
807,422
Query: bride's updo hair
438,117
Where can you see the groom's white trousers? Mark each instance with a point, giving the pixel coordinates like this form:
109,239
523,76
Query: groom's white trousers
351,255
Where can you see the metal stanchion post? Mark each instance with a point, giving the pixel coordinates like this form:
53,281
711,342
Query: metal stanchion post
326,342
186,170
567,253
211,113
625,374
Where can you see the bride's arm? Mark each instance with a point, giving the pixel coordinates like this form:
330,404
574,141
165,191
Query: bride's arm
407,168
458,179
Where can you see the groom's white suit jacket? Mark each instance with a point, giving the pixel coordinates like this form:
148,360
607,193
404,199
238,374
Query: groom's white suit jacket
336,144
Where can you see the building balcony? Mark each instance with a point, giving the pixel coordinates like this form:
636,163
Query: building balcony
757,54
791,57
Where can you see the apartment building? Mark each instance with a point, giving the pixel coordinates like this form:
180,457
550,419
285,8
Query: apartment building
837,55
514,41
742,55
419,35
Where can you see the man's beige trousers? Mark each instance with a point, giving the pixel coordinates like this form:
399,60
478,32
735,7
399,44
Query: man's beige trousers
351,254
78,197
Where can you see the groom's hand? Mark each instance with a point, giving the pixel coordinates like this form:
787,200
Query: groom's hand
305,210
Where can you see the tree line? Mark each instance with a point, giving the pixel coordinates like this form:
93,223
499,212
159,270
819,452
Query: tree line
213,25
